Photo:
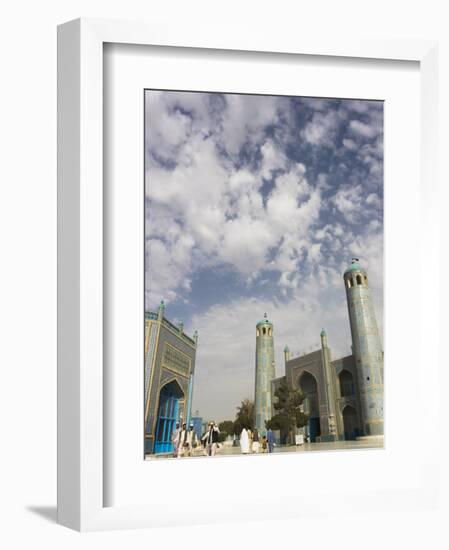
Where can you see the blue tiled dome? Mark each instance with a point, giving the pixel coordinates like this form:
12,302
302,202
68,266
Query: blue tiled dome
355,266
264,321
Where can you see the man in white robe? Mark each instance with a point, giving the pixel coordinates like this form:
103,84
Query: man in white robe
183,441
175,439
244,442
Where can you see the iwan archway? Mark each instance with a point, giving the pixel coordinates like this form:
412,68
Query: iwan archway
350,422
308,385
167,415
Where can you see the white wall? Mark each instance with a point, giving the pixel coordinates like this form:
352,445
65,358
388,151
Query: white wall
28,262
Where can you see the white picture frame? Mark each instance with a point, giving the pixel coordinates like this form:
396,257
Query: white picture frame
81,490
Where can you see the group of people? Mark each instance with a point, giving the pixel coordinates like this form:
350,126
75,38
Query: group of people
186,442
251,442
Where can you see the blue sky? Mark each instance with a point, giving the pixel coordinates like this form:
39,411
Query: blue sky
254,204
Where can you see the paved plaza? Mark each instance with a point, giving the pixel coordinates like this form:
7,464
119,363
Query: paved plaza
375,443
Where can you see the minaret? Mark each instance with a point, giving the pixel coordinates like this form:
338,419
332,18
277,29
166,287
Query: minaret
366,346
329,389
286,354
265,373
161,311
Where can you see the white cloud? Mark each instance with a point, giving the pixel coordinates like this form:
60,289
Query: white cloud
272,159
222,208
223,379
373,199
262,216
362,129
322,128
349,144
245,118
348,200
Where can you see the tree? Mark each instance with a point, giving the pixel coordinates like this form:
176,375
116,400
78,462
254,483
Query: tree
245,416
288,409
226,428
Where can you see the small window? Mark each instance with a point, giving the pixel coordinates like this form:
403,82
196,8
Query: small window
264,330
258,332
351,282
359,279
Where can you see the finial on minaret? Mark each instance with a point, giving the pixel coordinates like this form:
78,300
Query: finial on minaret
195,337
323,338
265,315
354,260
161,310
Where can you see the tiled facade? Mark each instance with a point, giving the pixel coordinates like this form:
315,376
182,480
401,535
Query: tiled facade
265,373
344,397
169,359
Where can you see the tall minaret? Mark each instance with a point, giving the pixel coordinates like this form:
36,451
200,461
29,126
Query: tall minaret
330,405
265,373
367,348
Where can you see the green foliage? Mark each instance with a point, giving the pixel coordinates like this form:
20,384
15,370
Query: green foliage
244,417
288,410
226,426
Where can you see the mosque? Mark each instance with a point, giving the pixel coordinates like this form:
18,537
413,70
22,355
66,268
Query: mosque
344,397
169,370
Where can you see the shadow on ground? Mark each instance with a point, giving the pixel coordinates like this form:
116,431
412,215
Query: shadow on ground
47,512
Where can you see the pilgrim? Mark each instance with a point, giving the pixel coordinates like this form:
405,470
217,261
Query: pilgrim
244,442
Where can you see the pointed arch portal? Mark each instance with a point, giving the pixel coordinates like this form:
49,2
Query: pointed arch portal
350,422
167,416
308,385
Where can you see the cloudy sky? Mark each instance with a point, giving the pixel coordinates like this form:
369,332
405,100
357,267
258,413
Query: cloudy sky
256,204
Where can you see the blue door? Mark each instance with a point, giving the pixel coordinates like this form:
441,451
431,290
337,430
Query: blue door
166,418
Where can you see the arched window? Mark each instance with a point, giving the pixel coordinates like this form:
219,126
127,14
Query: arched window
264,330
257,332
269,332
350,282
359,279
346,383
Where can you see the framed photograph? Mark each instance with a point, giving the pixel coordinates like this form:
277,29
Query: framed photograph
244,230
252,205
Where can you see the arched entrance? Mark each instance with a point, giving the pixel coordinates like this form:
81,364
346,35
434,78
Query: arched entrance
350,423
167,416
308,385
346,383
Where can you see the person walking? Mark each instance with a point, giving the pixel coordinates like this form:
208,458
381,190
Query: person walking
270,440
256,442
244,442
183,441
250,440
192,441
211,437
175,438
264,444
